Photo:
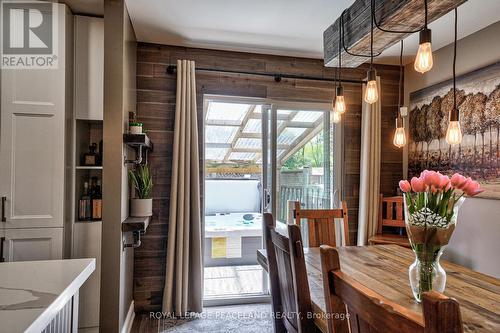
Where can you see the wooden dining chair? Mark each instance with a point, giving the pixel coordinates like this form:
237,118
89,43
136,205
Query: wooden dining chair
369,312
321,224
290,295
390,215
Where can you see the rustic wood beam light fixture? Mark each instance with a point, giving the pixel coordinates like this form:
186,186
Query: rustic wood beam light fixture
394,19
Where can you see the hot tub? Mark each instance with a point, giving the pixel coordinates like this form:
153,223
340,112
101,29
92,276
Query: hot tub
245,228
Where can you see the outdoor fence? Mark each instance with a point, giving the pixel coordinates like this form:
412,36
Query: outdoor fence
311,197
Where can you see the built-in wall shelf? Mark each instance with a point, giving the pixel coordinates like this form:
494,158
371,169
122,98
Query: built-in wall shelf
136,224
85,167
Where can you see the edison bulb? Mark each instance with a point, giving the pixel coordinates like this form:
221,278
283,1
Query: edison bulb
371,92
340,104
454,133
335,117
423,61
399,137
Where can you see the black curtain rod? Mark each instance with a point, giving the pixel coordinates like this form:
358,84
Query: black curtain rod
277,77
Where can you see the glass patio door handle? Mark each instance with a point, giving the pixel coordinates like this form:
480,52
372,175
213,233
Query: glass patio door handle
4,199
2,240
267,198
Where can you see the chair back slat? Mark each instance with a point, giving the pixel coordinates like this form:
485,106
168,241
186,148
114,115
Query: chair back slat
391,212
288,279
321,224
370,312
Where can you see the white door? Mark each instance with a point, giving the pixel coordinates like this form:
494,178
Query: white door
32,244
32,148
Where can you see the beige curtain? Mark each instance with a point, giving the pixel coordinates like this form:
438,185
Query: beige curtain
184,272
369,187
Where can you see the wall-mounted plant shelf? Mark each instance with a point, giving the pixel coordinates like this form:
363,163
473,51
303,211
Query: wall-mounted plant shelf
85,167
141,143
136,224
136,140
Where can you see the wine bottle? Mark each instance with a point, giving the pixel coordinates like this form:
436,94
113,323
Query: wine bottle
84,206
96,199
90,158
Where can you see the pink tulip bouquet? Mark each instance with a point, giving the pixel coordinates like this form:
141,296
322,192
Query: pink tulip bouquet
432,202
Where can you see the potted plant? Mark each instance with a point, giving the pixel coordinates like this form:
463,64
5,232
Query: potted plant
143,184
432,202
135,128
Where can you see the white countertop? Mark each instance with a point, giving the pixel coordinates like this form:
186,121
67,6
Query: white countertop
32,292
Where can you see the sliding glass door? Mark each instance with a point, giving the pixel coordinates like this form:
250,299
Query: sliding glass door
259,154
300,165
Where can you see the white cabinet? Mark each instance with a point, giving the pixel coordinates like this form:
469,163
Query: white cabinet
88,114
32,244
35,151
89,67
31,152
87,244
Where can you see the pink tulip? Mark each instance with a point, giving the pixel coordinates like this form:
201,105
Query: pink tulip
457,180
432,178
418,185
405,186
448,186
465,184
444,181
472,188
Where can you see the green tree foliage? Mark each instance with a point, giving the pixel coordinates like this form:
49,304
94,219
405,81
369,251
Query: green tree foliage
309,155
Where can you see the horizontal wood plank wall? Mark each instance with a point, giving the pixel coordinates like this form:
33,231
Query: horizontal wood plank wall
156,107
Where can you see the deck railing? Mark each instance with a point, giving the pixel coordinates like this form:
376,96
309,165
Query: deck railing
311,197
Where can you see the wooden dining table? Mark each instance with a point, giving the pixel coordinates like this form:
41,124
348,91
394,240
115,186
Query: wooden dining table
384,269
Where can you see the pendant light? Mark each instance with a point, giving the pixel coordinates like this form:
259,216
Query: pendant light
400,135
340,106
335,117
423,60
454,133
334,114
371,91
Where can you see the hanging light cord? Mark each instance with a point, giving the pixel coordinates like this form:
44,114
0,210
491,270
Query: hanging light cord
377,24
343,41
454,66
341,29
426,14
371,37
400,76
374,22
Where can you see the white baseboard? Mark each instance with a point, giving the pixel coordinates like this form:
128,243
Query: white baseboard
127,325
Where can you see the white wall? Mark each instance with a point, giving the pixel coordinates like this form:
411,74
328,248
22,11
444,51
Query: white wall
475,241
119,99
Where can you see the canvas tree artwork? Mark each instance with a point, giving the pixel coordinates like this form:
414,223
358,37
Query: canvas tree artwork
478,156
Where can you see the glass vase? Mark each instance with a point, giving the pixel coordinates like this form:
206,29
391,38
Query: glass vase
429,230
426,272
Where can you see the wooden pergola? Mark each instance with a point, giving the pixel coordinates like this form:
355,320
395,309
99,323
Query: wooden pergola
295,129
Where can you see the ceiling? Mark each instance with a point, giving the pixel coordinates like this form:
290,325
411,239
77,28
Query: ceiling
283,27
86,7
